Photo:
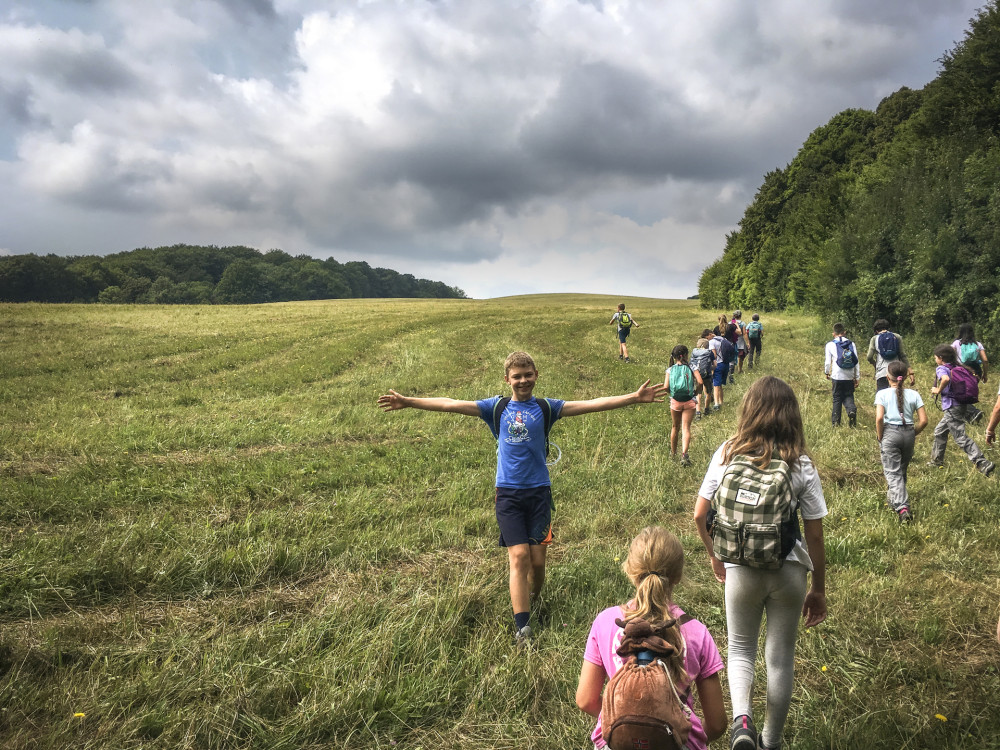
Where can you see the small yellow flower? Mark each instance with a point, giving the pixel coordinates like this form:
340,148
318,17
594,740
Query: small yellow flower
941,717
823,668
844,518
946,505
79,715
618,559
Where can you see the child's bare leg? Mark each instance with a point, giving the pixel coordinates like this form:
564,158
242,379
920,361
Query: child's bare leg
686,416
537,552
675,418
717,392
520,577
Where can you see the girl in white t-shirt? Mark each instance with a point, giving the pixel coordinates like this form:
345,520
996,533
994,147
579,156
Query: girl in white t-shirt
899,417
770,422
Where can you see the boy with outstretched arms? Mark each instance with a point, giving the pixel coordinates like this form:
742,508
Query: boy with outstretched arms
844,369
625,323
881,353
523,494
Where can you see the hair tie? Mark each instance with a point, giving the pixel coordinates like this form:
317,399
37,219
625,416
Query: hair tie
899,379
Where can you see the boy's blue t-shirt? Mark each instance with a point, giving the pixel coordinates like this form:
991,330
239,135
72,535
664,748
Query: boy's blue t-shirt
521,443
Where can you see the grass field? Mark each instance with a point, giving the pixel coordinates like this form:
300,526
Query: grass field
212,538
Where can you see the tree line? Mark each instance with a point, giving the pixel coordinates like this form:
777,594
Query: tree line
191,274
888,214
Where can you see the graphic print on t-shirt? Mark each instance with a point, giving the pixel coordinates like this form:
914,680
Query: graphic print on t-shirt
517,430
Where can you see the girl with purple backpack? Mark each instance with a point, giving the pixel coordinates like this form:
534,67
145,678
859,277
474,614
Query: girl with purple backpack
955,408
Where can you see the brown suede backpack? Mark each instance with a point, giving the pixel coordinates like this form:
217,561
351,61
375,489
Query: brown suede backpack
642,708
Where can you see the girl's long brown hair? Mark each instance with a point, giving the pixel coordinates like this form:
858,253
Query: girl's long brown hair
654,565
897,371
769,418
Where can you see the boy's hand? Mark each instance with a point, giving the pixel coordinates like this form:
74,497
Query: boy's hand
392,401
647,394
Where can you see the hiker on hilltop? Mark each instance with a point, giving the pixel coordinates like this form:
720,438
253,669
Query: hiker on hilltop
884,347
842,367
521,424
972,354
625,323
757,484
755,338
654,566
958,390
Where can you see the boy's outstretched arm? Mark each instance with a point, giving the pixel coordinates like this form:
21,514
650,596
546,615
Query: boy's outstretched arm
645,395
392,401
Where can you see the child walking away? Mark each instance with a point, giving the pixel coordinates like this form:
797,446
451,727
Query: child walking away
625,324
742,347
654,566
757,483
681,381
899,417
755,335
958,389
842,367
521,425
703,361
724,351
972,354
884,347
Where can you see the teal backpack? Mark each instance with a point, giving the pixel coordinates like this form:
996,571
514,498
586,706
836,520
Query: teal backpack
968,354
681,382
754,329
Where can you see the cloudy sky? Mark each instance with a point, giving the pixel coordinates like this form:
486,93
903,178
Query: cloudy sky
503,147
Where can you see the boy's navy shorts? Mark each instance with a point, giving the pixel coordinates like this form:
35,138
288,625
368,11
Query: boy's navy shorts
721,373
623,334
524,516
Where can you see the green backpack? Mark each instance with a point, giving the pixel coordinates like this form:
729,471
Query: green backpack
681,382
968,354
624,319
756,522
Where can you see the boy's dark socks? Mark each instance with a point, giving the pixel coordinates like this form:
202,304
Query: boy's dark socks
521,619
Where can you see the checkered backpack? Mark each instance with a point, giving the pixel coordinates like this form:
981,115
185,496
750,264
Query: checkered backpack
756,521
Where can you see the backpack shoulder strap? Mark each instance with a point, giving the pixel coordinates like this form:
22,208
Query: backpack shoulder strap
498,408
546,407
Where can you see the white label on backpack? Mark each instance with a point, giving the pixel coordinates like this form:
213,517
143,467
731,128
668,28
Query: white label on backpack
747,497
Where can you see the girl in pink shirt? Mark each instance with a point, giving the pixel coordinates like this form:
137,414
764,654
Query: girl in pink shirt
654,566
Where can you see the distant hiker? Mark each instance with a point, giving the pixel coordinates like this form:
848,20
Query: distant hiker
884,347
843,368
654,566
972,354
703,360
681,380
755,336
523,493
625,323
742,347
957,387
762,478
723,350
899,417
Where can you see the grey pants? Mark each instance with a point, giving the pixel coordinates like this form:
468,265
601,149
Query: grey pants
749,594
754,348
897,452
953,421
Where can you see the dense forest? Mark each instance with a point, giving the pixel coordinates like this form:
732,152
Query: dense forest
187,274
893,213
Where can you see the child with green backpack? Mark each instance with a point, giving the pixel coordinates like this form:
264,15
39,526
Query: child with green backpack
682,381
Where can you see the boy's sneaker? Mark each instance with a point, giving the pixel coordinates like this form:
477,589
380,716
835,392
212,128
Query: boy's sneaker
715,407
852,420
743,735
621,356
523,636
762,746
697,415
627,359
904,515
685,461
987,468
935,464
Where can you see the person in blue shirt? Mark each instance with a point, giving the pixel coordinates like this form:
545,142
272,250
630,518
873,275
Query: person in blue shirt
523,488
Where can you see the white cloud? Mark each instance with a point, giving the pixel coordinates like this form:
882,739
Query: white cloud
460,141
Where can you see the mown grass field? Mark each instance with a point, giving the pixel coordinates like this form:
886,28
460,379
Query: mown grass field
212,538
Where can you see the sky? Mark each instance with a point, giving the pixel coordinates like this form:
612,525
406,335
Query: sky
501,146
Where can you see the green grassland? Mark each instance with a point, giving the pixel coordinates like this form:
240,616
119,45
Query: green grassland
212,538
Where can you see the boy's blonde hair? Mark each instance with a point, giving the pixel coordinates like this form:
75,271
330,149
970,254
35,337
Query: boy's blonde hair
654,565
701,344
518,359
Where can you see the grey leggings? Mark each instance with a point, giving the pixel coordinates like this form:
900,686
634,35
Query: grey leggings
749,594
897,452
953,421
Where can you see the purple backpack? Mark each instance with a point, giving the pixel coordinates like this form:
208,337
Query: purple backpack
963,386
